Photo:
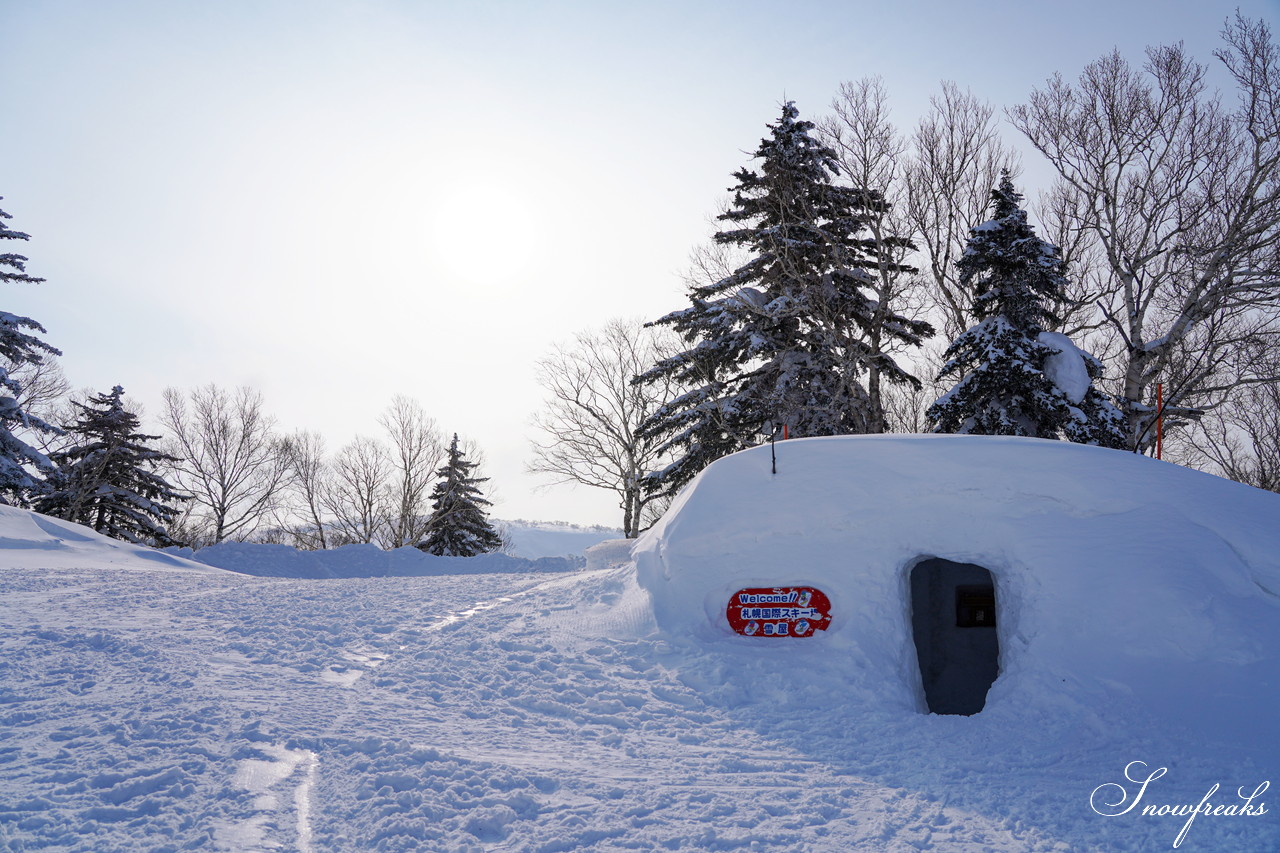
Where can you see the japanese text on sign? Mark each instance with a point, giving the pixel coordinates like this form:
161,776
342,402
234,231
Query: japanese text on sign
779,611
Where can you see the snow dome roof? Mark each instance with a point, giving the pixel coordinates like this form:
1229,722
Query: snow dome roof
1107,564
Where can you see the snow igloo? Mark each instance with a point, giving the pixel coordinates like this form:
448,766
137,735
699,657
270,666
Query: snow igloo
962,574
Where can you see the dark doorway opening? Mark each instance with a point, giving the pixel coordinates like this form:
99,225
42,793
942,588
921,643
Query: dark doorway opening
953,622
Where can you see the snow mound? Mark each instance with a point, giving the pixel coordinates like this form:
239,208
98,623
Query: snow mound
609,554
31,540
1066,368
1121,582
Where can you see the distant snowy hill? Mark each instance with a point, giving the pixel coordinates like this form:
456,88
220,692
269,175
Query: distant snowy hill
149,703
533,539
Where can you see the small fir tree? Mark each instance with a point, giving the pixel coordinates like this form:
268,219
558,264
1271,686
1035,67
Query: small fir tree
18,347
107,479
782,340
1014,377
458,526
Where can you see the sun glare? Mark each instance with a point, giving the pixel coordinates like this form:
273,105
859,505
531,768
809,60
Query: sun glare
485,233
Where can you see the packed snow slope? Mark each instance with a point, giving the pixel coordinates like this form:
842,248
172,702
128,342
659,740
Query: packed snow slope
611,709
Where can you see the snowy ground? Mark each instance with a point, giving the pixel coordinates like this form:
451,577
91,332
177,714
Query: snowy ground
171,710
152,704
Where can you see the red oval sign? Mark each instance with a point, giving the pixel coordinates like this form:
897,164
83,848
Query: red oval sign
780,611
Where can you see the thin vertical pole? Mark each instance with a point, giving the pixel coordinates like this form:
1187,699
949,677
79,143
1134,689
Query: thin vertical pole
1159,419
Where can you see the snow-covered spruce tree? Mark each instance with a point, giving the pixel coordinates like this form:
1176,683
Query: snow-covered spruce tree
782,339
106,479
458,526
1014,377
17,347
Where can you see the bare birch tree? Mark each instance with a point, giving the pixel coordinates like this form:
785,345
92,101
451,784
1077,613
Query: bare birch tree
356,497
905,405
1182,195
957,158
1089,278
45,393
232,463
309,482
872,156
1240,441
594,410
416,450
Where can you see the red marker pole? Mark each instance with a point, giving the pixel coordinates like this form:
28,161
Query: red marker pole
1159,419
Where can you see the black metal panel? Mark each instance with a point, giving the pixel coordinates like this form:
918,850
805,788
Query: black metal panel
975,606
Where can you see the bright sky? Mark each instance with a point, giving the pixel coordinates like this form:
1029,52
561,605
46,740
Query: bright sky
336,202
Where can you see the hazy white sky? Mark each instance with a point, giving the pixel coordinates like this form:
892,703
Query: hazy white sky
336,202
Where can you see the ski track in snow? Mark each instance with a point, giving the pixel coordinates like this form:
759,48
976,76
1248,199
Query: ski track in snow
303,797
504,712
263,777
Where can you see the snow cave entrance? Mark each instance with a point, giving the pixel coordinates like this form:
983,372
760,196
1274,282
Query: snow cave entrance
953,622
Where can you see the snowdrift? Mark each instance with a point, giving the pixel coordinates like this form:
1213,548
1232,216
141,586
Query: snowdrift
1123,584
31,540
360,561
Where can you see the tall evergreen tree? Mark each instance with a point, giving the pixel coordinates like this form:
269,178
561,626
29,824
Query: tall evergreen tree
107,480
1014,377
18,347
458,526
782,340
